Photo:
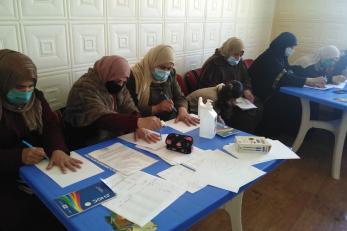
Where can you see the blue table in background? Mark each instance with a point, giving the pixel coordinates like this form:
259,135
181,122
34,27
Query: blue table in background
337,127
182,214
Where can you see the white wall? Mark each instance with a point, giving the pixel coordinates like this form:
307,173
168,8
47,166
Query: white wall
316,23
65,37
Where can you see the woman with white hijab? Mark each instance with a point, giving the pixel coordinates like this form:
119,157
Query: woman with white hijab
318,64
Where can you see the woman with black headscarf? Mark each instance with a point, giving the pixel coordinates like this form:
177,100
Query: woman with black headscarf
269,72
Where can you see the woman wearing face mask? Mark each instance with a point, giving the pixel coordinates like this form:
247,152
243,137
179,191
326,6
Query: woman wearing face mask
154,87
99,103
269,72
26,116
225,66
318,64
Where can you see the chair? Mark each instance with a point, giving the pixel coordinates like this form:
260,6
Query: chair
191,80
248,62
181,83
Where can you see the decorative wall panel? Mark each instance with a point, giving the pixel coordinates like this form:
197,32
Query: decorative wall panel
65,37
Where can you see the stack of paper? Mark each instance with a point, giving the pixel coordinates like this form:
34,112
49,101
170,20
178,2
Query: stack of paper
141,196
221,170
277,151
88,169
183,177
244,103
329,86
181,126
174,158
142,143
122,158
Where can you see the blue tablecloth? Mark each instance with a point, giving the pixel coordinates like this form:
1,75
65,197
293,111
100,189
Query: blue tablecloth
180,215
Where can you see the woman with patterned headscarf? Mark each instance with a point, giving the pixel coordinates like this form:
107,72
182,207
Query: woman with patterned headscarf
25,116
320,63
224,66
154,87
99,106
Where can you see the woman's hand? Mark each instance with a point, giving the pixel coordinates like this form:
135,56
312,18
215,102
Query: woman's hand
316,82
32,155
151,122
63,161
337,79
186,118
165,105
248,95
144,134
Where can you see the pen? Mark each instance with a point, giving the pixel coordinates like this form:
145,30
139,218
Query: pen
167,98
30,146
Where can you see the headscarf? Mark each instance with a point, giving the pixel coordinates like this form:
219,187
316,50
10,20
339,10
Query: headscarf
323,53
142,71
16,67
89,98
111,68
231,46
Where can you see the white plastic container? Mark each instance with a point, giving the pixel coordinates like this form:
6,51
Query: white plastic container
208,119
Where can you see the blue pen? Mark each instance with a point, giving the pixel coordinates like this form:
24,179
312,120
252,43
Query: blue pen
167,98
30,146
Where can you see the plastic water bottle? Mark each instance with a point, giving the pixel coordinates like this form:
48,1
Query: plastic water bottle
208,119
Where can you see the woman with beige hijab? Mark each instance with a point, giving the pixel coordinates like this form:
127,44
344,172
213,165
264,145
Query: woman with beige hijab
100,107
224,66
26,120
154,87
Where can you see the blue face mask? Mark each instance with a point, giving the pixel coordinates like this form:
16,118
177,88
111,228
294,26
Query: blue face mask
326,63
160,75
233,61
19,97
289,51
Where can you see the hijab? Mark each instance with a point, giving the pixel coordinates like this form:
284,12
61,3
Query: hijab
142,71
16,67
89,98
323,53
231,46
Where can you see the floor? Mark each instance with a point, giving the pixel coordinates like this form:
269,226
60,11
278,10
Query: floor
299,195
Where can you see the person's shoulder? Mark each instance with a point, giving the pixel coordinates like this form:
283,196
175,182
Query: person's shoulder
39,94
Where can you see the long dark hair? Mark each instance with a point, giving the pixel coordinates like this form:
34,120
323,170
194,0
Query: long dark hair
232,90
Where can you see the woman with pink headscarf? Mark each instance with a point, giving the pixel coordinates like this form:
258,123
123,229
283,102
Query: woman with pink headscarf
99,104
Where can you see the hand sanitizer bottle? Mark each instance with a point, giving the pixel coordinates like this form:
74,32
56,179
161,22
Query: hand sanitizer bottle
208,119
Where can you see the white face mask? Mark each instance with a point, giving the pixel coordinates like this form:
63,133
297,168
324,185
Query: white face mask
289,51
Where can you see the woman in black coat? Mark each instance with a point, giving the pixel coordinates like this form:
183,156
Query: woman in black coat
269,72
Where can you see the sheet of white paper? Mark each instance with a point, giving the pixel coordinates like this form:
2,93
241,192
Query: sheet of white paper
175,158
183,177
180,126
244,103
221,170
328,86
88,169
122,158
141,196
277,151
142,143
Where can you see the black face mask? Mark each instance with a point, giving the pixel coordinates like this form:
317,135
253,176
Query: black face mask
113,87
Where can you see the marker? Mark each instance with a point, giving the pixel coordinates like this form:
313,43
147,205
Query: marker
167,98
30,146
